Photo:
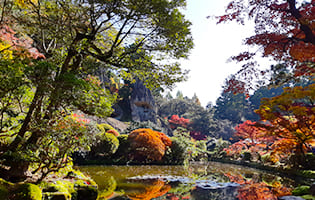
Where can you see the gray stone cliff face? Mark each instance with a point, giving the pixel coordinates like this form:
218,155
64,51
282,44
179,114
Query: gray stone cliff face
142,104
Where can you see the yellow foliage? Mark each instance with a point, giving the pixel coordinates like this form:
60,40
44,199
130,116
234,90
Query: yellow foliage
25,3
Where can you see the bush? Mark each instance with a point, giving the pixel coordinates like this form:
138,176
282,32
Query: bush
148,145
106,145
107,128
185,149
177,154
301,190
123,151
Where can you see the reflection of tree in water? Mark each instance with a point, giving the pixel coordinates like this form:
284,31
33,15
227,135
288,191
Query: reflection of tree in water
254,188
151,188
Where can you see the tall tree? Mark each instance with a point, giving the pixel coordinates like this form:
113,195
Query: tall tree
284,31
128,37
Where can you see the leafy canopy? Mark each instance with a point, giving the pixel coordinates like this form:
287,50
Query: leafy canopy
284,31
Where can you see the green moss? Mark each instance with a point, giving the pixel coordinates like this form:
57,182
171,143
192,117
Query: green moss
308,197
58,190
301,190
28,191
4,192
105,127
5,188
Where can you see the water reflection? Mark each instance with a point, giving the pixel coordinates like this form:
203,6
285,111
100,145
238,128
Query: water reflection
200,181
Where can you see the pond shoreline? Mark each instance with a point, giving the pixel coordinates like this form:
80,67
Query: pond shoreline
302,176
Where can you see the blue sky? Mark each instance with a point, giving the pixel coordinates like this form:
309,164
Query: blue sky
214,44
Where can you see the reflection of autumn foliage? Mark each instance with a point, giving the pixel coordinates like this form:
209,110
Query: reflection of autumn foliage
175,121
252,190
153,189
262,191
148,144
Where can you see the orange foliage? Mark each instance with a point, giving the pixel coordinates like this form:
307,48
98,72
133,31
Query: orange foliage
291,118
148,144
155,189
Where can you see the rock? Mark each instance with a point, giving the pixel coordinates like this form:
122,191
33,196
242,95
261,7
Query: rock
215,193
116,124
142,104
290,198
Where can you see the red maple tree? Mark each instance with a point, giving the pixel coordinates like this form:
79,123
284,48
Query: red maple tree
284,31
176,121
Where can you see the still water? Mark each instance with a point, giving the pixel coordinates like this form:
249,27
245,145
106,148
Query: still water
206,181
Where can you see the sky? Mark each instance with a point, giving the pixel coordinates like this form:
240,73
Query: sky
214,44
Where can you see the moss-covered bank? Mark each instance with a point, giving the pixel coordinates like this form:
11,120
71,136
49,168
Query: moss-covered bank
73,186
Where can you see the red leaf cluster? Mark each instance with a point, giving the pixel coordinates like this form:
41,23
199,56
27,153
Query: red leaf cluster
284,31
21,46
175,121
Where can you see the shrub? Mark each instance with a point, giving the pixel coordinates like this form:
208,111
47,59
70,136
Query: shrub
107,128
123,151
106,144
184,148
177,154
148,145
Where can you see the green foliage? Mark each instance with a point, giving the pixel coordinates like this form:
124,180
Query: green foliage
106,144
146,124
104,127
201,120
28,191
301,190
185,149
123,151
177,154
36,96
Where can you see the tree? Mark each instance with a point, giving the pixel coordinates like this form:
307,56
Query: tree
247,130
290,118
284,31
233,107
123,34
74,37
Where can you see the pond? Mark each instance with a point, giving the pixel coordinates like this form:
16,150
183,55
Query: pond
211,180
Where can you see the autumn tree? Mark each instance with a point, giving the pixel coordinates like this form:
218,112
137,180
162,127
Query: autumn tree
284,31
74,37
290,118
